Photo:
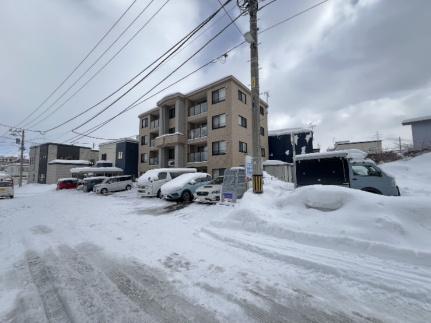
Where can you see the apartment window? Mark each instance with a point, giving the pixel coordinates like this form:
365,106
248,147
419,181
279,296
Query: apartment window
218,95
144,158
242,121
144,140
242,97
219,121
103,156
171,130
198,108
120,155
262,131
262,110
144,123
218,172
242,147
262,150
219,148
172,113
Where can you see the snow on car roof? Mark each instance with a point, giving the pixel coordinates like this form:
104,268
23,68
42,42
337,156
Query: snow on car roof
153,174
181,181
347,153
71,162
66,179
94,177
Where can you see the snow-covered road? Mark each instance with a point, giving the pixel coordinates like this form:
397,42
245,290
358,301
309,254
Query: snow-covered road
67,256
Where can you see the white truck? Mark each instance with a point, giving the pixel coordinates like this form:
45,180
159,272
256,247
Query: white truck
6,185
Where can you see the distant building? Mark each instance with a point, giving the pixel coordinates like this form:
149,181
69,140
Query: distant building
421,132
280,143
370,146
123,153
51,161
13,169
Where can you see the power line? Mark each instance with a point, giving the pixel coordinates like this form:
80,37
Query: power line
104,65
173,49
13,127
80,63
96,61
231,19
166,77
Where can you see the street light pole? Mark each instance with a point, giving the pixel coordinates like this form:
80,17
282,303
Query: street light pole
255,99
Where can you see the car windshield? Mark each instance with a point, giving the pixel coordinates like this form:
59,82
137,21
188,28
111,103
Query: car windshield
217,181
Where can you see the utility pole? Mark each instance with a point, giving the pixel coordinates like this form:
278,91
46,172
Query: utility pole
21,162
254,64
399,142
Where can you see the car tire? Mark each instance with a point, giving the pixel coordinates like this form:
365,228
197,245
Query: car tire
104,191
128,187
159,194
11,196
187,197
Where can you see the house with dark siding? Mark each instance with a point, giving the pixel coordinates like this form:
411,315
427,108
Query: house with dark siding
282,143
123,153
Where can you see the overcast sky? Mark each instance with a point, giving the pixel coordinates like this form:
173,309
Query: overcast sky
354,69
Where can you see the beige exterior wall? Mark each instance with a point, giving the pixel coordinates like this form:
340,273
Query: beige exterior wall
109,150
232,134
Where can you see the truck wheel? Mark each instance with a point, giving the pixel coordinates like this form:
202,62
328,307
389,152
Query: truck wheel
104,191
186,197
128,187
11,196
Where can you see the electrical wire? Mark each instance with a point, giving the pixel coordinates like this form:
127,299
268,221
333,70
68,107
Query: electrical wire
81,62
95,62
174,48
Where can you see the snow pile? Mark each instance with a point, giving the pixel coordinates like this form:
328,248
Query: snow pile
69,162
338,218
413,176
180,181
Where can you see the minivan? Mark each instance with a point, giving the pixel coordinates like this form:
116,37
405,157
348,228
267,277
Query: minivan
114,184
150,183
6,185
348,168
89,183
183,187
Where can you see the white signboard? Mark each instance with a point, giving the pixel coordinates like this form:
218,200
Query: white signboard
248,167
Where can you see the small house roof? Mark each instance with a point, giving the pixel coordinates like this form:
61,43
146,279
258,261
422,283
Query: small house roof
414,120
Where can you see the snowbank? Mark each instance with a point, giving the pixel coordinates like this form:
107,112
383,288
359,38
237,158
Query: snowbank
413,176
180,181
338,218
69,162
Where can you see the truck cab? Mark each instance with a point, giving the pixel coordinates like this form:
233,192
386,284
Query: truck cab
348,168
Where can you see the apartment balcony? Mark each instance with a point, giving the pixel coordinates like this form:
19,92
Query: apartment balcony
169,140
198,157
198,135
198,112
154,125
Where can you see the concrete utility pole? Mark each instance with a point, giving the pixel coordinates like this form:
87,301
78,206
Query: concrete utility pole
254,62
21,162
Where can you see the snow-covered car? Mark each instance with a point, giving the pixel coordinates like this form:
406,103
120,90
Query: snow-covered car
89,183
6,185
183,187
209,193
151,181
114,184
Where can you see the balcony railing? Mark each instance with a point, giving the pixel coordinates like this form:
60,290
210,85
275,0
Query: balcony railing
154,124
198,157
198,109
153,143
154,161
198,133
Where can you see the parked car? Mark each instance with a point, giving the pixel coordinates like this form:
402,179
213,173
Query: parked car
6,185
209,193
184,186
348,168
89,183
114,184
150,183
67,183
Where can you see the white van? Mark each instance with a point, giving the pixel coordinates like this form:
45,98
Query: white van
114,184
6,185
150,182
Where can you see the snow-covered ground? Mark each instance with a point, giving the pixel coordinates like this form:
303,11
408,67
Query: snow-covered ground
317,254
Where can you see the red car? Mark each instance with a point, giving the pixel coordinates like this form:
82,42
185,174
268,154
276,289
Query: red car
67,183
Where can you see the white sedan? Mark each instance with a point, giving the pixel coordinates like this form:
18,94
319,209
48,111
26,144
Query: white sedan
209,193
